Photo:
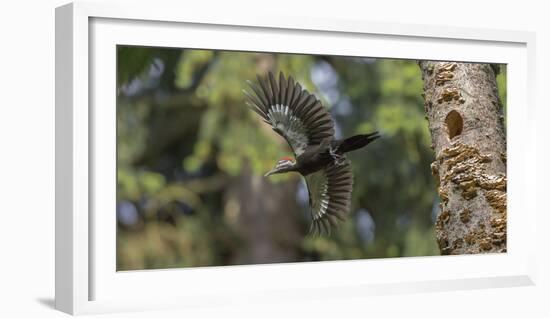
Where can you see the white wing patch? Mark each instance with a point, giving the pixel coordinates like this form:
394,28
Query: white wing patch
318,196
290,126
329,196
293,112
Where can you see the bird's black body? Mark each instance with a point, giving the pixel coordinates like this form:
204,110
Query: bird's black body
308,128
318,156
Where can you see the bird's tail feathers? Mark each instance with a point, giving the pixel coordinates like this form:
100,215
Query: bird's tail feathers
357,142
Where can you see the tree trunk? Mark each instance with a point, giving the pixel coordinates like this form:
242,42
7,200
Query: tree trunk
266,217
468,137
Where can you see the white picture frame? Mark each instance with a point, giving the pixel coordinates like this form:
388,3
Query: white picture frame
86,278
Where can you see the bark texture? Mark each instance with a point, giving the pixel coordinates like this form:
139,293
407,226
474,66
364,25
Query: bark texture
468,136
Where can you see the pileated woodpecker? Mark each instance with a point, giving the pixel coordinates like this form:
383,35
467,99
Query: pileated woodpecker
308,128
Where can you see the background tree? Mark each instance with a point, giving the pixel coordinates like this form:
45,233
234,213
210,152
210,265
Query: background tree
466,122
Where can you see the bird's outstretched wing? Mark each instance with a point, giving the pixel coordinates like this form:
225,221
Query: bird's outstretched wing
293,112
329,196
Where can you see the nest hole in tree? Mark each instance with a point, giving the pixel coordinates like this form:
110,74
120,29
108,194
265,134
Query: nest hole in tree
454,123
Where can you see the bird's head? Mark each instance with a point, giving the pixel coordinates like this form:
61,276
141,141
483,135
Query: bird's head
284,164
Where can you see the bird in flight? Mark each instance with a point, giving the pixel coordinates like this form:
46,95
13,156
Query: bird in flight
308,128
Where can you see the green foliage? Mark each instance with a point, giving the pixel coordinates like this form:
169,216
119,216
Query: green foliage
501,83
187,148
132,62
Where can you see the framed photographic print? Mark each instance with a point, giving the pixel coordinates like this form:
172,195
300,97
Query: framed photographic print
211,160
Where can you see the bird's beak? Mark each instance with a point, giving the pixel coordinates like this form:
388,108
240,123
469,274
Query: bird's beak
270,173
